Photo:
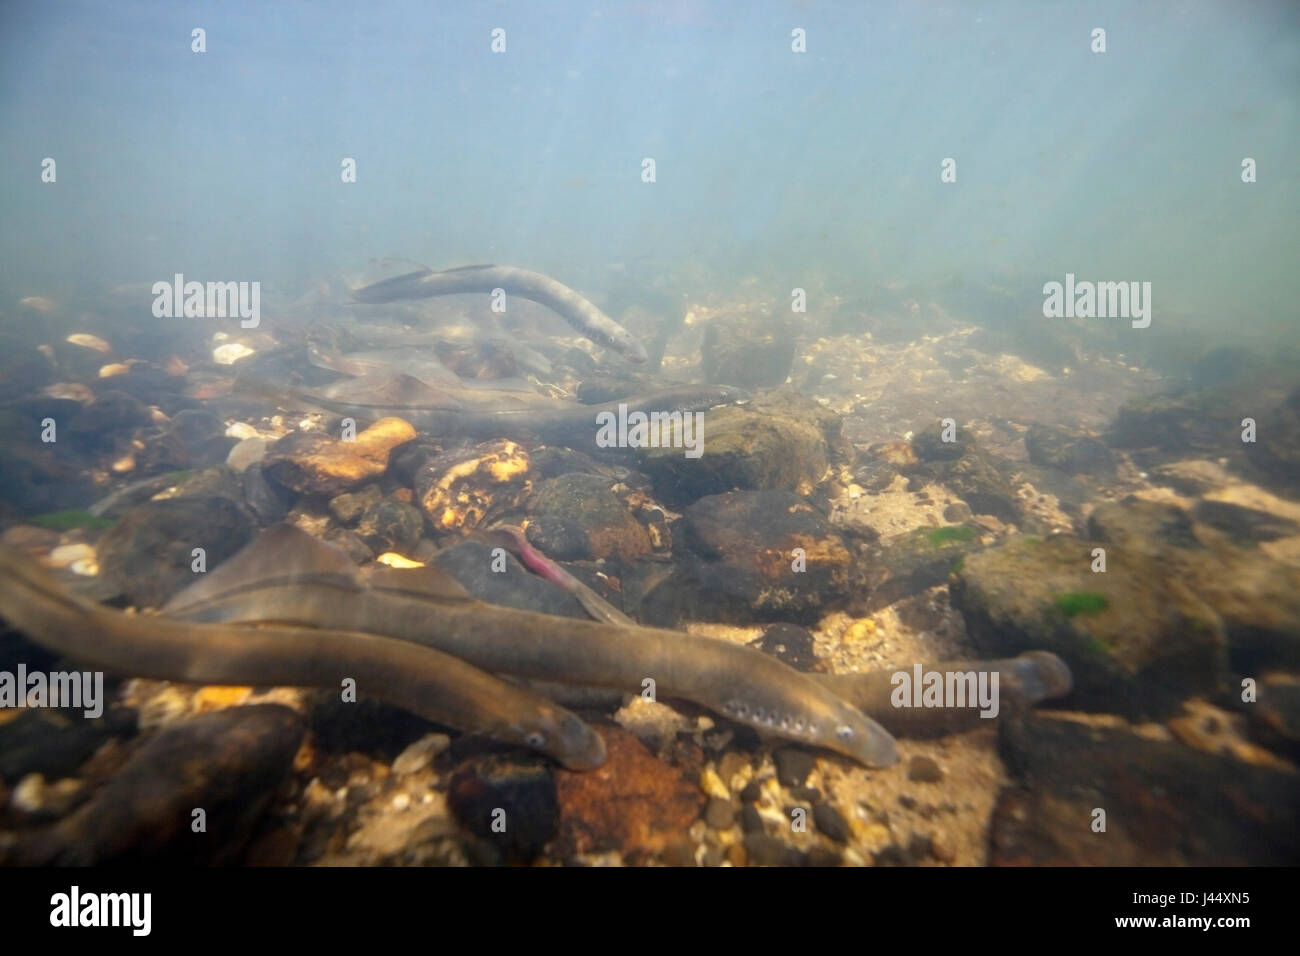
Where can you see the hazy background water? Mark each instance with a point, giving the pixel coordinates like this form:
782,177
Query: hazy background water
795,168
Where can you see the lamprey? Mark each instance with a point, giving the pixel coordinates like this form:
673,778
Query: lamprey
423,680
286,575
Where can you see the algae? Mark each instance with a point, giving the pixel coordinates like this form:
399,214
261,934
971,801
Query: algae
1081,602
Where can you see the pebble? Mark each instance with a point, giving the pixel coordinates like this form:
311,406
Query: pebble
831,822
87,341
679,853
943,848
241,430
734,766
720,814
764,850
752,793
231,353
793,765
957,512
420,754
712,784
66,555
751,821
924,770
824,856
247,452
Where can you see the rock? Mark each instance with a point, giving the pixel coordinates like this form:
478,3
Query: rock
248,452
347,508
320,464
1054,447
653,723
824,856
459,490
1276,450
35,799
23,369
748,350
875,474
351,544
1206,422
929,444
976,480
270,503
1242,524
943,847
917,561
790,644
507,801
751,821
763,850
634,804
1256,598
53,744
1193,477
1164,802
471,563
777,441
558,538
1136,642
228,763
587,502
793,765
958,512
924,770
148,555
720,814
99,425
390,525
200,437
831,822
1274,719
744,563
420,754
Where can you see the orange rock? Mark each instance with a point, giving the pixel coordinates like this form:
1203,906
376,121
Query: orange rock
634,803
321,464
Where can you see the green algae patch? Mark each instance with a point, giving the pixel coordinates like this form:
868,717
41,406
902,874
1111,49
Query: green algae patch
959,565
952,534
1081,602
68,520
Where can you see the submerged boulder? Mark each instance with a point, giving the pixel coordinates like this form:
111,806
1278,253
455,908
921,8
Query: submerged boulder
755,555
779,441
1166,804
149,553
316,463
464,488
